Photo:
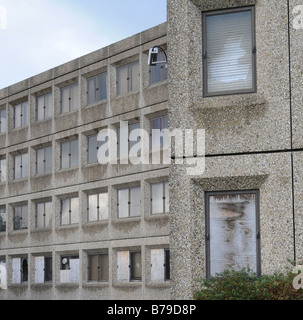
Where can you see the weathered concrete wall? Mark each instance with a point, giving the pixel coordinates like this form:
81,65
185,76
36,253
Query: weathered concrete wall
144,232
248,137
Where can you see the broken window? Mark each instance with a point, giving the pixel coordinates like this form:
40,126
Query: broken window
129,202
160,265
3,274
98,206
96,88
70,98
20,217
129,266
19,270
21,166
44,160
70,269
69,211
98,267
128,78
160,198
43,269
20,115
43,214
232,231
2,219
44,109
69,154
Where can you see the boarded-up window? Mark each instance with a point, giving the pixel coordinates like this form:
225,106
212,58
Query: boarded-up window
70,269
129,266
43,269
160,265
3,274
232,231
19,270
123,266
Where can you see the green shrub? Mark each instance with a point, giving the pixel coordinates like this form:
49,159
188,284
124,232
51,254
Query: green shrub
245,285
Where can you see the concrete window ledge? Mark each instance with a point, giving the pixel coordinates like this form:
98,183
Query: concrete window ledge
165,284
96,285
71,227
70,286
127,284
47,285
126,220
13,286
161,216
239,100
95,224
41,230
16,233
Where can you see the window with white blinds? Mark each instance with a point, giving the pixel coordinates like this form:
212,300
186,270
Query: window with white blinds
229,52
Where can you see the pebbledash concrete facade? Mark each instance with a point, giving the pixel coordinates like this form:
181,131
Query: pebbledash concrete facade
253,142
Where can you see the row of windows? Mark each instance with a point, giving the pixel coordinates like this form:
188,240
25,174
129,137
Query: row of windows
127,81
69,151
128,205
129,267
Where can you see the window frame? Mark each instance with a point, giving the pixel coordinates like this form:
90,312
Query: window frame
159,67
72,105
97,88
21,156
129,207
207,225
69,154
132,254
44,160
47,269
205,14
43,215
21,207
47,109
98,255
70,211
164,196
129,78
3,174
3,225
3,128
98,206
23,117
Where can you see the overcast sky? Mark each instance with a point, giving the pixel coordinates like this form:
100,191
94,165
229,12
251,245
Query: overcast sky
36,35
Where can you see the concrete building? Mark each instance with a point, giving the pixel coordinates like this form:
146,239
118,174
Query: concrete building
71,228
